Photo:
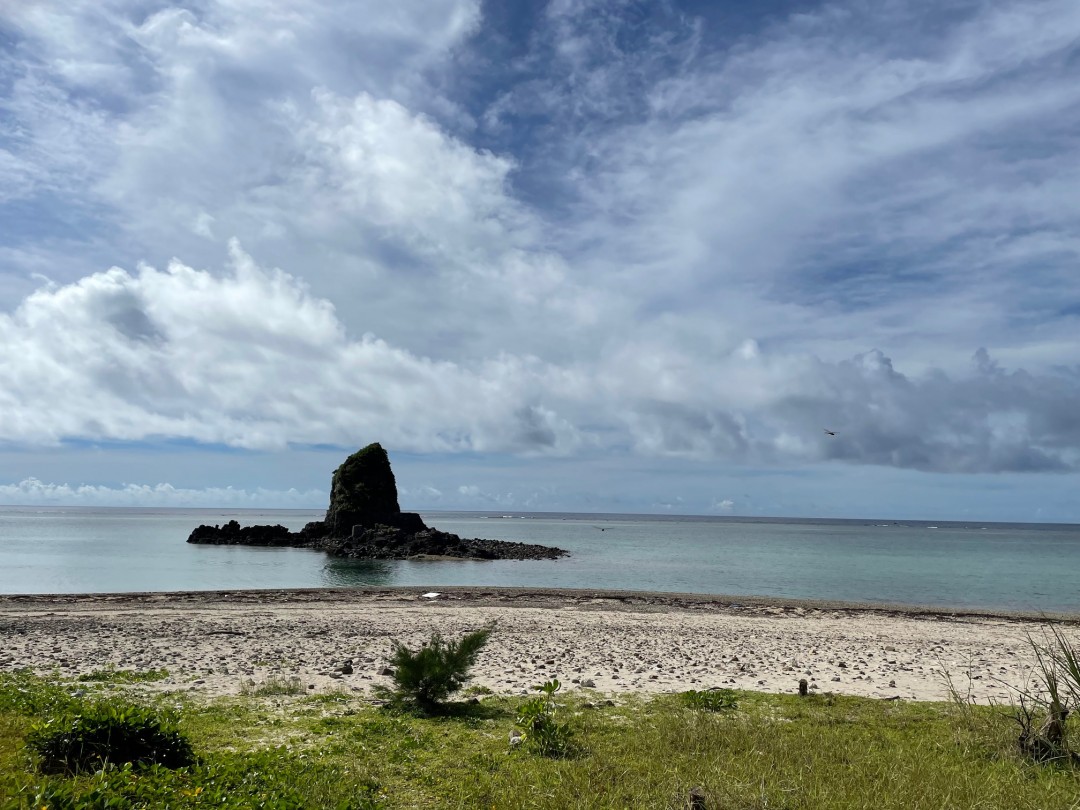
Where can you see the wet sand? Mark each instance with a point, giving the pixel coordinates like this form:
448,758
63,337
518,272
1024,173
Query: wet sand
214,642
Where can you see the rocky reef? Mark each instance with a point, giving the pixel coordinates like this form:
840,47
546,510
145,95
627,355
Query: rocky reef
364,521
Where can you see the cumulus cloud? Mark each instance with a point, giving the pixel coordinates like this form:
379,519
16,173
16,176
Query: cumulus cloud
252,359
249,359
640,237
312,130
774,408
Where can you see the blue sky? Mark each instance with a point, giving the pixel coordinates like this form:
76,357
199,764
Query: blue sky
592,256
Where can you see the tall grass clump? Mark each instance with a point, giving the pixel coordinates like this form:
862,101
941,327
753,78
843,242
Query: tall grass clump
1057,668
273,686
426,677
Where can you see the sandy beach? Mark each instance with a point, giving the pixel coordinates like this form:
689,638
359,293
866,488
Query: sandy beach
615,642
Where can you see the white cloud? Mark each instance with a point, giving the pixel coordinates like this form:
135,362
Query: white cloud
683,252
725,506
32,492
842,177
249,359
252,359
314,131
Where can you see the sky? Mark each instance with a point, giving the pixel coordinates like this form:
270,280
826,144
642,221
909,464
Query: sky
577,255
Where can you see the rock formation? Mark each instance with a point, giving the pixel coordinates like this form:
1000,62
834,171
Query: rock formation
364,521
362,491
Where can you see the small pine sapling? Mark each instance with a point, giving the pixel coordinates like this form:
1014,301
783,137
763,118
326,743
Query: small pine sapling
426,677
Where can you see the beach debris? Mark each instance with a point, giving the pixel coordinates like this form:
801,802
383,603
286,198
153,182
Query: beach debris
430,595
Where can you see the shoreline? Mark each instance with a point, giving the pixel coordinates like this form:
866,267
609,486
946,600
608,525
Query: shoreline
213,643
484,595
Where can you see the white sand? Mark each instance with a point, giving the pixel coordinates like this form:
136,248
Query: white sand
214,642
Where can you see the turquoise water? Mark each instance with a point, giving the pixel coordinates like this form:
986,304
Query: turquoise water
993,566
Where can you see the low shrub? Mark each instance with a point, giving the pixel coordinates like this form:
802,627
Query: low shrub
108,733
426,677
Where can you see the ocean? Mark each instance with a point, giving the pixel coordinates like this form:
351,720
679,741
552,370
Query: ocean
992,566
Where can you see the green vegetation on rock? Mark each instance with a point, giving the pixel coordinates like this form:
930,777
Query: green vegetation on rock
363,485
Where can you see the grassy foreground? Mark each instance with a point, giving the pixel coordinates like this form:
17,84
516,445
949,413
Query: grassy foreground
267,750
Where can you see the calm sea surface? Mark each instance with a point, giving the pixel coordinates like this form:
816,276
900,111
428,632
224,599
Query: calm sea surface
1031,567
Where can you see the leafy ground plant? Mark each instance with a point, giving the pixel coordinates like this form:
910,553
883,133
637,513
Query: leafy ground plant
541,731
712,700
108,733
426,677
270,779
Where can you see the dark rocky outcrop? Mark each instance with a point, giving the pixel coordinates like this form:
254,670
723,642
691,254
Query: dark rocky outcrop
363,491
364,521
233,534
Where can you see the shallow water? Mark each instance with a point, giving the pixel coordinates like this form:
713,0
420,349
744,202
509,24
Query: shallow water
1029,567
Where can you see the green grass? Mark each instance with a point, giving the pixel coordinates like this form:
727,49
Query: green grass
274,685
770,751
124,676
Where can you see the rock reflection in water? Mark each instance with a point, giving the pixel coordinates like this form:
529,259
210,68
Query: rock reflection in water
357,573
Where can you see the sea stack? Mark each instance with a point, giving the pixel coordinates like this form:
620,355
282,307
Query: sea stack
364,521
363,490
363,494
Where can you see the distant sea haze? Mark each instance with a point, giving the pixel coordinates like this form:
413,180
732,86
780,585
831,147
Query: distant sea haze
991,566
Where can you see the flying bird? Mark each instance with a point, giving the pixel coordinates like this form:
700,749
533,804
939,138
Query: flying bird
829,432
